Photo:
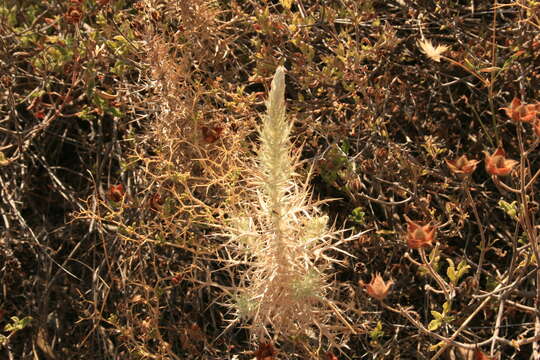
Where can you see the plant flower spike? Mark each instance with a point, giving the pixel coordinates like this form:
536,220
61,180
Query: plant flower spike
286,238
434,53
420,236
497,164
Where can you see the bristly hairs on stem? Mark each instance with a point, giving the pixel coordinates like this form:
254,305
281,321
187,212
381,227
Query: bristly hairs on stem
281,239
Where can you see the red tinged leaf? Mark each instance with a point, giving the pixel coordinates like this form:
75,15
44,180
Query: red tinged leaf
176,279
39,115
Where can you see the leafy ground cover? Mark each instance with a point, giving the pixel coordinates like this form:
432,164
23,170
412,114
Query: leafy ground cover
146,215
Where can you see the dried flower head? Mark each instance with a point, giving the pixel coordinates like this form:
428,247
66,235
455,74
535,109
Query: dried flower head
536,127
330,356
266,351
211,135
478,355
156,202
377,288
521,112
532,111
498,164
434,53
420,236
516,111
462,165
73,15
116,193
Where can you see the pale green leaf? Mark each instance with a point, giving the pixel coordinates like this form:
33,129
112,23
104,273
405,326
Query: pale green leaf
437,346
434,325
437,315
286,3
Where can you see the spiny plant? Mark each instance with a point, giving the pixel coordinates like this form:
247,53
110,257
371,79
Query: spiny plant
282,239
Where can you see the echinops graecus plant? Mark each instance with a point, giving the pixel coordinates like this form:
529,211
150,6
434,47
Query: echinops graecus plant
282,240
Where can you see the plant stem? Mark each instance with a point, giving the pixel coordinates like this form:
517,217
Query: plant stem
442,284
483,242
527,223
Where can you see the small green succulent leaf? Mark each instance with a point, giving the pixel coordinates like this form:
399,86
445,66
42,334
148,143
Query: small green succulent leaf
18,324
509,208
377,332
434,325
358,216
451,272
447,307
437,315
286,3
456,274
437,346
462,269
